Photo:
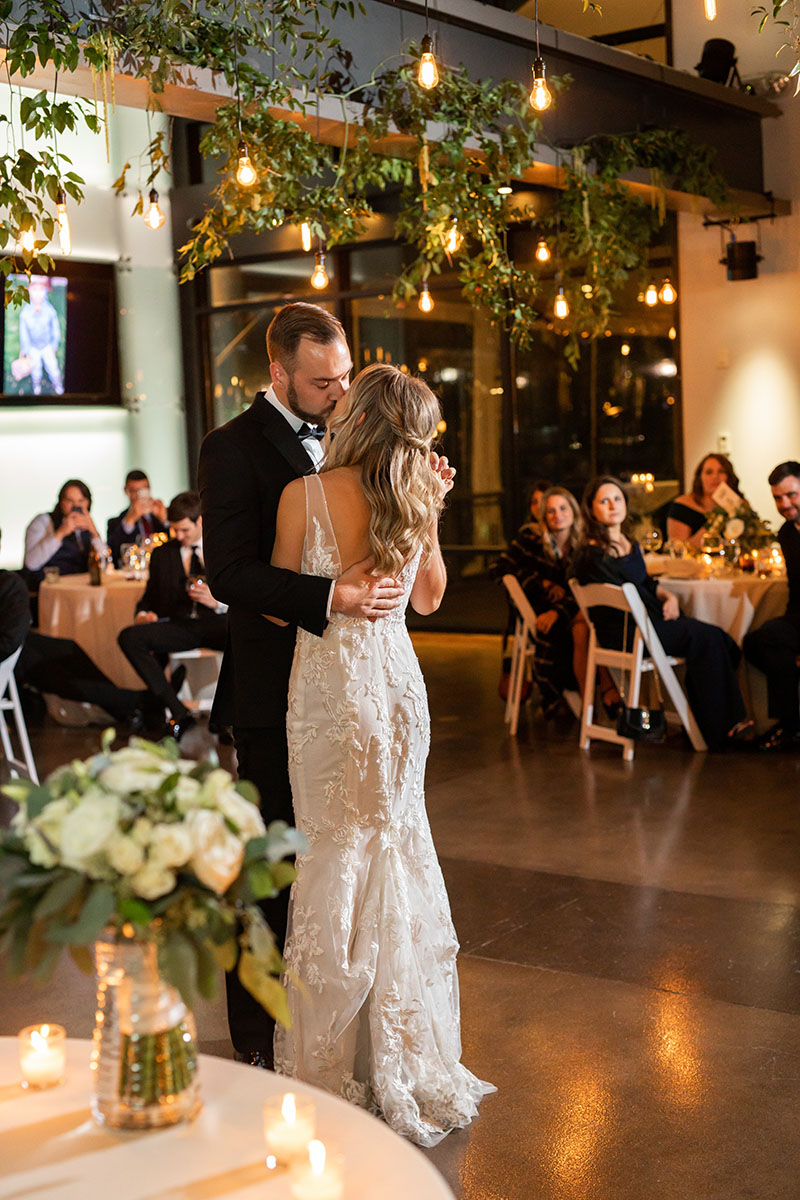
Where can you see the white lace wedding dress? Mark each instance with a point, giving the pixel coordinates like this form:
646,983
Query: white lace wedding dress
373,989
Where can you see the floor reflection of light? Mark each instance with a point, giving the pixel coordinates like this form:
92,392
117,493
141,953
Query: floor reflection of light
583,1126
678,1060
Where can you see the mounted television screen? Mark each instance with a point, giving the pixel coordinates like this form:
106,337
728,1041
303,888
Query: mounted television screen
60,347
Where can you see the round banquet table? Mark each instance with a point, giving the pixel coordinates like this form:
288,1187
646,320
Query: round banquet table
736,603
92,617
51,1149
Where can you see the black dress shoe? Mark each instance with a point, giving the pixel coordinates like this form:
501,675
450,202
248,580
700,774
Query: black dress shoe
177,729
779,738
255,1058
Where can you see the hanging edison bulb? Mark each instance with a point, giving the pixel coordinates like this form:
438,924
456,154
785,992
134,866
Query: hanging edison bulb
651,295
561,307
667,293
305,234
427,71
154,217
711,9
62,216
425,302
455,238
319,279
541,98
542,251
27,241
246,174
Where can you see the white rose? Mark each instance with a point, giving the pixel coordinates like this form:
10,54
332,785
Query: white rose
47,825
124,854
135,770
244,815
734,528
218,854
187,793
86,830
152,880
142,830
170,845
214,784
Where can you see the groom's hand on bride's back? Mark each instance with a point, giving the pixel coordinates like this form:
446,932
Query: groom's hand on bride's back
359,593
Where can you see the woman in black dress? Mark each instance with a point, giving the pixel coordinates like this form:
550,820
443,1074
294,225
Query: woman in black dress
687,514
609,555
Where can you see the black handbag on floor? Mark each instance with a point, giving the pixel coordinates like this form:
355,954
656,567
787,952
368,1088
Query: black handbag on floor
642,724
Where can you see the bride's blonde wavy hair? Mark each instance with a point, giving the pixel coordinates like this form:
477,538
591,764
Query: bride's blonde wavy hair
387,430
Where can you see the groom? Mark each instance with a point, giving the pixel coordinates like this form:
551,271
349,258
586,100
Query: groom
244,467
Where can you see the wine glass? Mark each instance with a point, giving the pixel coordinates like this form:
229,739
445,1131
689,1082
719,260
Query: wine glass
191,580
653,540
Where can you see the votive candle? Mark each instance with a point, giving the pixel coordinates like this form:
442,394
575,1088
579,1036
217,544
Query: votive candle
319,1177
42,1055
289,1126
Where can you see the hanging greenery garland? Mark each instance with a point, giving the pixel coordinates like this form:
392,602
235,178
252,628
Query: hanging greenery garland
446,152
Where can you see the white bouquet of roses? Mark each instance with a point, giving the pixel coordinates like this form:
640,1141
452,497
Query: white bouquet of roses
141,838
735,520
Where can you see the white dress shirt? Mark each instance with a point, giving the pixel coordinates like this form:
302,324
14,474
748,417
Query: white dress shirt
312,446
186,558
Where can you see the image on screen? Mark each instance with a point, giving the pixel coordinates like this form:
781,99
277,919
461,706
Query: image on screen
35,343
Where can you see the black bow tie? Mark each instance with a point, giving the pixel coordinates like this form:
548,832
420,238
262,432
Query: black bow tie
314,431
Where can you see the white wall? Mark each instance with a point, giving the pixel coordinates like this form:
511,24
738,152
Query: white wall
740,349
42,447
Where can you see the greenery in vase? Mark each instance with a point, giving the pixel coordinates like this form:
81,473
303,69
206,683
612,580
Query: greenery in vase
155,846
741,524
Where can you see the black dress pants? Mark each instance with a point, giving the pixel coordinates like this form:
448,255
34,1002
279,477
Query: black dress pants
773,649
711,684
60,666
147,649
262,758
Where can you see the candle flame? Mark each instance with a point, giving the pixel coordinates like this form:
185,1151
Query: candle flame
39,1040
316,1156
289,1108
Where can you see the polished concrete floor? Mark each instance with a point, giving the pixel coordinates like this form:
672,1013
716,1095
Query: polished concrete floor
630,972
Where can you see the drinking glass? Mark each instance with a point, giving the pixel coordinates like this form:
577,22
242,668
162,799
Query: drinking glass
52,574
652,541
191,580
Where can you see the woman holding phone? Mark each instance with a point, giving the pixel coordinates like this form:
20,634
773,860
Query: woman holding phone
62,538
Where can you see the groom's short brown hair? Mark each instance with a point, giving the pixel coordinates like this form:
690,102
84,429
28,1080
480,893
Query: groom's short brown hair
296,321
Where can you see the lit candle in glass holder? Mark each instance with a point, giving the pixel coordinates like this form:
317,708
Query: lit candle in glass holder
289,1126
42,1055
319,1177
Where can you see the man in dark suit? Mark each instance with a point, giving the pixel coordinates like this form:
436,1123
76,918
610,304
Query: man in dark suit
143,517
174,613
244,467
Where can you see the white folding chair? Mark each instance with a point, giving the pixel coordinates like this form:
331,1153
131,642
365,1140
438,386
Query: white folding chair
202,672
9,702
626,599
522,651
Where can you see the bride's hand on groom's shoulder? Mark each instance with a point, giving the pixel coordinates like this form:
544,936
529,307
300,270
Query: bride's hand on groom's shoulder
359,593
446,473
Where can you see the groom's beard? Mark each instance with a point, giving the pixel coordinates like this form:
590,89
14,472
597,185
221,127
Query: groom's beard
319,418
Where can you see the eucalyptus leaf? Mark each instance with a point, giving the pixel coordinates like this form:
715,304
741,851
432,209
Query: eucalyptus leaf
95,915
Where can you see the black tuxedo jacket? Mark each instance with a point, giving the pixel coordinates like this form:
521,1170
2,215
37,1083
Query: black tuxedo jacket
116,537
166,593
244,467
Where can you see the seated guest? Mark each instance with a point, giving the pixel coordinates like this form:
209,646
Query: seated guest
63,537
608,555
526,543
143,517
174,614
15,613
774,647
687,514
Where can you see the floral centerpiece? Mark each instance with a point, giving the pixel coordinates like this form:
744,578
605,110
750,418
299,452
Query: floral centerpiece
735,520
140,848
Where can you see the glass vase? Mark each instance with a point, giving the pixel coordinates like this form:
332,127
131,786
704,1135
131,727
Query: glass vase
144,1057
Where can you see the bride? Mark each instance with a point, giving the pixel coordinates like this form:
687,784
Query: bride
371,949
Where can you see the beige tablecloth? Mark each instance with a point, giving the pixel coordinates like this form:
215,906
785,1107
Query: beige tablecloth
93,616
737,604
52,1150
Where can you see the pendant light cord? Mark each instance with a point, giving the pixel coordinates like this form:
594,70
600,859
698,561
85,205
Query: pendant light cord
536,19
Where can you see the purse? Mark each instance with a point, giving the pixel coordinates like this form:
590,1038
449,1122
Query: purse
642,724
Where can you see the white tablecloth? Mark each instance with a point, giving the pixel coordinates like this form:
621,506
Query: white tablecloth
736,604
92,617
50,1148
